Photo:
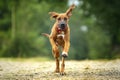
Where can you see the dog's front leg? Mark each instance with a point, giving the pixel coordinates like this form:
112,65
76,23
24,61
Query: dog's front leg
66,49
54,46
66,45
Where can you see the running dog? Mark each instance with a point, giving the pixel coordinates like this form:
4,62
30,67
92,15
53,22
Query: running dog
60,36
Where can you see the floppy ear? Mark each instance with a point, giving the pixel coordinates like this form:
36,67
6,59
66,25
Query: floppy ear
53,14
69,11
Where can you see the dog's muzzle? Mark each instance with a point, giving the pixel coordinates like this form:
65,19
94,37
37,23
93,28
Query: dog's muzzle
62,25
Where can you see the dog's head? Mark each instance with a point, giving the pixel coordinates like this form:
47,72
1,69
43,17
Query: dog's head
62,18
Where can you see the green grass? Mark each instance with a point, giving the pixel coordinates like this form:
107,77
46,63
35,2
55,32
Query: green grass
33,59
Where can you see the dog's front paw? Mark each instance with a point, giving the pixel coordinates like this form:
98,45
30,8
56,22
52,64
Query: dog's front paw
64,54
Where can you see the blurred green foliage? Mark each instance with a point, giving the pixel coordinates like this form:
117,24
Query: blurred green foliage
107,18
95,28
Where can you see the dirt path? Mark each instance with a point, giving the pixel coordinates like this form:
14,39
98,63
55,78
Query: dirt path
76,70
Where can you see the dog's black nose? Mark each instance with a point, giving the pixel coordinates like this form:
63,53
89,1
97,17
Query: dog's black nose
62,25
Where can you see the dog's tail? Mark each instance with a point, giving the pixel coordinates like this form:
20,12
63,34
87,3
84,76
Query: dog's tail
45,34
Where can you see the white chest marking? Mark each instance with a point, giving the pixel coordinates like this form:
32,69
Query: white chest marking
61,35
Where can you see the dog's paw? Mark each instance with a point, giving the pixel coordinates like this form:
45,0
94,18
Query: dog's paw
57,71
64,54
62,73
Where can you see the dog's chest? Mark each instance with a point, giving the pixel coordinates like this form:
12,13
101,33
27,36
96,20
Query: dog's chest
61,35
60,38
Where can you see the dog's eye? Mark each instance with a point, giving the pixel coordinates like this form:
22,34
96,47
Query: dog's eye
59,19
65,19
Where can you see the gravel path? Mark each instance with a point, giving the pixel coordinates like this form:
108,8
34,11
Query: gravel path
75,70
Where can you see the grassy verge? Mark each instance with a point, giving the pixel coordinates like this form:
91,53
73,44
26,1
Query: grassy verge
33,59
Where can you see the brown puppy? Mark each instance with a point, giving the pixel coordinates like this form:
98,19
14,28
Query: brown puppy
60,36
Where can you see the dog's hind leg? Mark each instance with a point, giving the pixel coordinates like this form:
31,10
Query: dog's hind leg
62,66
56,55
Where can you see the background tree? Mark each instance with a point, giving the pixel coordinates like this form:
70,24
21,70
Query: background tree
107,17
94,28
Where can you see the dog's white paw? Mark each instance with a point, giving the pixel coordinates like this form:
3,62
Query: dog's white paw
64,54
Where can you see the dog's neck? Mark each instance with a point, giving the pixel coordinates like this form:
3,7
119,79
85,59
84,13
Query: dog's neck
60,31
